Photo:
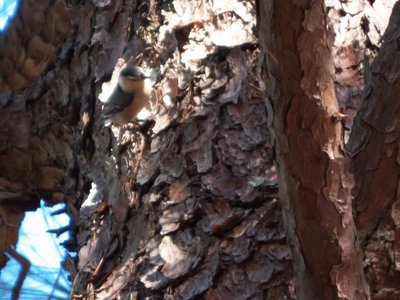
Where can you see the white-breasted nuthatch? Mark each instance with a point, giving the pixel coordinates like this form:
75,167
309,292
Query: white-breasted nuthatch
128,97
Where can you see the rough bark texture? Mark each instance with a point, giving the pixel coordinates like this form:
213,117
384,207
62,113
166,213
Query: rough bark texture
34,150
374,145
315,183
31,42
358,28
186,207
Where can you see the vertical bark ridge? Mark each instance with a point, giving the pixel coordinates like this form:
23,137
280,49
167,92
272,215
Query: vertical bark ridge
374,145
315,183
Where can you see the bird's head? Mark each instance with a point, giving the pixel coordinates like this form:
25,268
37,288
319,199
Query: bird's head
131,79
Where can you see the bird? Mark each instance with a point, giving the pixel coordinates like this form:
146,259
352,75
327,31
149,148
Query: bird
128,97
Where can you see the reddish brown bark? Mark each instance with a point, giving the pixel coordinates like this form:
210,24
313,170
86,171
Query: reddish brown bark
315,183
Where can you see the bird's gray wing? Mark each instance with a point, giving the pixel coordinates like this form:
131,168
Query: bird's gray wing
117,101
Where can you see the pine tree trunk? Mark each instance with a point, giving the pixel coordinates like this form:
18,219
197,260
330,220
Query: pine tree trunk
188,207
315,182
374,148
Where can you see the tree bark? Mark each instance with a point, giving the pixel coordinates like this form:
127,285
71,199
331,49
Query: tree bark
34,151
188,207
373,145
315,183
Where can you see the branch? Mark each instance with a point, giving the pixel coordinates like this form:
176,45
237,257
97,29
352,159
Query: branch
59,231
25,266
